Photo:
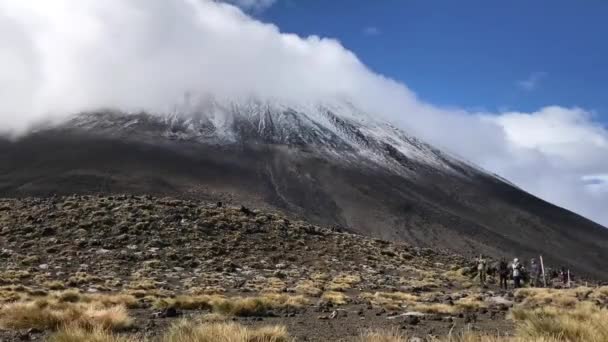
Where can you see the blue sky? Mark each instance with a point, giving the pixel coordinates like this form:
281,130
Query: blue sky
492,55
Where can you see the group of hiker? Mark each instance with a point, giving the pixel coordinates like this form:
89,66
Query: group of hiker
518,272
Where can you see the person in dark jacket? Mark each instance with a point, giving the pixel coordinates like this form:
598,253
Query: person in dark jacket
503,273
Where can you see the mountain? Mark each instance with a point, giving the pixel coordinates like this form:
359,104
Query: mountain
329,163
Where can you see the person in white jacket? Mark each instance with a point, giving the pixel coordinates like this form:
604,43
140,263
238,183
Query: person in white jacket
516,267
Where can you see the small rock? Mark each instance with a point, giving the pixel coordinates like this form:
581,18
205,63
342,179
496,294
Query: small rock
470,318
412,320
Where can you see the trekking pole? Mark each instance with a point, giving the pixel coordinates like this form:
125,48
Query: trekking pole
542,267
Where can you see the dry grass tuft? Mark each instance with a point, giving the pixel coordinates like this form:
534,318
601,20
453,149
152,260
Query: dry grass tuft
237,306
309,288
470,303
435,308
184,302
143,284
343,282
584,322
383,336
79,334
563,298
334,297
49,315
187,331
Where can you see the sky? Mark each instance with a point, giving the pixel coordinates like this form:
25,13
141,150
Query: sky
512,87
477,54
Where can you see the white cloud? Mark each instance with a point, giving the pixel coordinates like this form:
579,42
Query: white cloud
532,82
371,31
254,5
64,56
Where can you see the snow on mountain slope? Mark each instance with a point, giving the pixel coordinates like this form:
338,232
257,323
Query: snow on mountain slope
337,130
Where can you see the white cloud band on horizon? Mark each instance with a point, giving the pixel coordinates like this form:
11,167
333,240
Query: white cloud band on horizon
67,56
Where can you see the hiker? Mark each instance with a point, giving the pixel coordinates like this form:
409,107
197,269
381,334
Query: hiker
534,273
564,275
516,267
503,273
482,270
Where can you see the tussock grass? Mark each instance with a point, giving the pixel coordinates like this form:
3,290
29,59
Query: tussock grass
14,276
470,303
466,336
584,322
237,306
185,302
392,335
343,282
390,300
275,285
564,298
436,308
48,315
253,306
334,297
187,331
319,277
79,334
143,284
309,288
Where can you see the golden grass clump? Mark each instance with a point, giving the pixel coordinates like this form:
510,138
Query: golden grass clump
584,322
185,302
143,284
13,276
470,303
334,297
391,335
237,306
274,285
309,288
343,282
537,297
188,331
79,334
50,315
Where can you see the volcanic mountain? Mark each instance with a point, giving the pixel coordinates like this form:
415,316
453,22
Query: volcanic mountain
328,163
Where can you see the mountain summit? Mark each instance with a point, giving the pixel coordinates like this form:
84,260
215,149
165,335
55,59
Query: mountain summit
330,163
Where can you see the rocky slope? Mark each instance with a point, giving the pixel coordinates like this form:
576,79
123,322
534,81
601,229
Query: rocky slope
164,259
158,248
330,164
